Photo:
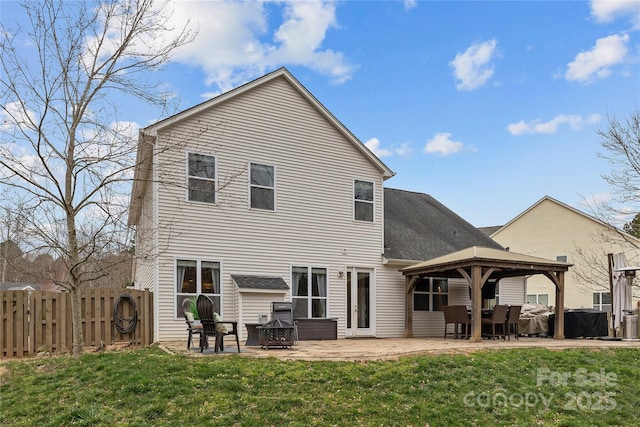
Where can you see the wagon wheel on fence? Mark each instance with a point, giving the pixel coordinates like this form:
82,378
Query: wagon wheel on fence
121,324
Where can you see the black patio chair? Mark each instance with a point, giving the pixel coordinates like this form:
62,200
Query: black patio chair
191,328
206,310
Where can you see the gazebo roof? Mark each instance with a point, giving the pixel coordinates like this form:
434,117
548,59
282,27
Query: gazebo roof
508,263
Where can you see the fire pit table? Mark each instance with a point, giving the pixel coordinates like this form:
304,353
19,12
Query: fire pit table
276,333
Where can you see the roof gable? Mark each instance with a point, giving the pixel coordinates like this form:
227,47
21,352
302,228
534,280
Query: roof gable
147,136
569,209
287,76
417,227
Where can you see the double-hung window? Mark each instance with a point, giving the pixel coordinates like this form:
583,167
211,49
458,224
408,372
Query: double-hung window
602,301
194,277
538,299
201,177
431,294
262,180
363,200
309,292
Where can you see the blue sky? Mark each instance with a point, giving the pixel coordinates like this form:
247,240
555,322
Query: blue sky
487,106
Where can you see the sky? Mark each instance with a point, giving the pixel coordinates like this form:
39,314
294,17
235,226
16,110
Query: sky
486,106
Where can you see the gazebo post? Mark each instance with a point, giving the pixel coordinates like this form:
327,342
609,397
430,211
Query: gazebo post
476,301
558,332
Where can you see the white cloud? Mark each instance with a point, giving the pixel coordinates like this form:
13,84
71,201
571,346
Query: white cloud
410,4
574,121
14,114
605,11
235,42
596,63
404,149
473,68
443,144
374,145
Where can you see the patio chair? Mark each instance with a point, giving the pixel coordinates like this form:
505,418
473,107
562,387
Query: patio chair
212,327
512,321
498,318
191,328
449,318
462,319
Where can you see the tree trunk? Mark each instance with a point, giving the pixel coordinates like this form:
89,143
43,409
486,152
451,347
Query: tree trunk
76,322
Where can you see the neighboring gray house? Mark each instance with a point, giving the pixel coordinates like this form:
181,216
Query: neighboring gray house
262,195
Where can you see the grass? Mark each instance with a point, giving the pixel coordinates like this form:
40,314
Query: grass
147,386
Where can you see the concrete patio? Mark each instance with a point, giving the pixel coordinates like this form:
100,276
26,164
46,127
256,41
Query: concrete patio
392,348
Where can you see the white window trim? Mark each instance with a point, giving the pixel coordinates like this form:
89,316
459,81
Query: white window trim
353,201
600,304
431,294
538,297
198,281
309,298
215,179
275,176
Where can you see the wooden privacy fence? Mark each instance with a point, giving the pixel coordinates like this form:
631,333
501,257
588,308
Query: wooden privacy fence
37,321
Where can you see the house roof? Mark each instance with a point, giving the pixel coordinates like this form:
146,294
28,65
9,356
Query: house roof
417,227
13,286
511,263
143,169
570,208
259,282
490,230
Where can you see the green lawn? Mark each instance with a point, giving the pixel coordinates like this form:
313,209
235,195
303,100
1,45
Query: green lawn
150,387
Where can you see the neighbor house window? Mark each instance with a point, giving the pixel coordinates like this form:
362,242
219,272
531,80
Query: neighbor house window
602,301
194,277
562,258
431,294
309,292
201,176
363,200
538,299
262,180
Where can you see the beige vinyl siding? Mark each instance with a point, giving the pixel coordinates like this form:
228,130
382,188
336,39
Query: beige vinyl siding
512,291
431,324
313,222
390,302
255,304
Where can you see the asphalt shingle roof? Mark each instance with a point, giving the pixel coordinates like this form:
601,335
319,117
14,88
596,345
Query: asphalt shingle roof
259,282
418,227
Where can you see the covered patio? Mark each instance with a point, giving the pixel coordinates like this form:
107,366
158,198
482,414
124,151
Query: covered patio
477,265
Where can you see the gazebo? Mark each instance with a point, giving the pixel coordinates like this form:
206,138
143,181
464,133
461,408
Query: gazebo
477,265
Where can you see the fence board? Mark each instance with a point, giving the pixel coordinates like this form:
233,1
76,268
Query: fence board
38,320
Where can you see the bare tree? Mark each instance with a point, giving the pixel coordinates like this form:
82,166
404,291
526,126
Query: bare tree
621,144
11,237
63,149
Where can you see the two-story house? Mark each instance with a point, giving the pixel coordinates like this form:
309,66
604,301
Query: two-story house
260,195
554,230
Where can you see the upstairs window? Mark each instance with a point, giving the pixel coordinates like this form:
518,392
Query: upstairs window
363,200
201,176
262,180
